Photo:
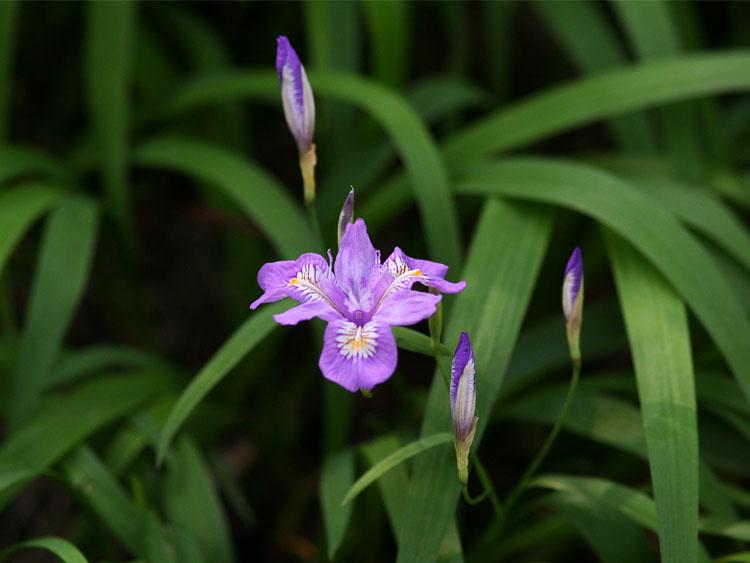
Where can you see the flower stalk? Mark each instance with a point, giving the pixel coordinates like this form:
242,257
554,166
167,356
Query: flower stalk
573,311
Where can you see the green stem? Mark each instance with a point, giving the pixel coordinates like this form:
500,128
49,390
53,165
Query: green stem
542,453
489,488
475,500
315,224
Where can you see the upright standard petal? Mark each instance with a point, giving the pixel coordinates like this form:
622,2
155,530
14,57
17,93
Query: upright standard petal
358,357
463,404
296,94
346,217
357,267
572,301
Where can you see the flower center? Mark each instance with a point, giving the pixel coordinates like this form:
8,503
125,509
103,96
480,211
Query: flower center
357,342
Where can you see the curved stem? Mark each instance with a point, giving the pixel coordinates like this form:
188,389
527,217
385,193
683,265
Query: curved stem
489,488
542,453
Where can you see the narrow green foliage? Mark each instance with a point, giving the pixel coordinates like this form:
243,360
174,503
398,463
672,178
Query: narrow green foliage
193,505
59,284
653,34
20,207
67,420
93,481
393,460
66,551
393,484
656,322
111,35
388,25
613,537
409,339
681,259
591,99
504,260
337,475
245,338
594,51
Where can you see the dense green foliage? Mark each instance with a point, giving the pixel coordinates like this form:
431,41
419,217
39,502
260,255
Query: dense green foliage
146,173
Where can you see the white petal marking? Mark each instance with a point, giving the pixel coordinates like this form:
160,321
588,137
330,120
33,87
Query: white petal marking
357,342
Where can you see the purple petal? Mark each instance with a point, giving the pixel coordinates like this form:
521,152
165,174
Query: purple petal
572,282
430,274
273,279
463,392
307,279
305,312
357,266
358,357
406,308
296,94
347,214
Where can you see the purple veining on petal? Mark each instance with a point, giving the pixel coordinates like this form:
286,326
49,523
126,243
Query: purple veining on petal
361,299
572,281
462,391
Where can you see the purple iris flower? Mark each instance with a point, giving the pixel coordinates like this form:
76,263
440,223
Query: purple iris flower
296,94
360,298
463,397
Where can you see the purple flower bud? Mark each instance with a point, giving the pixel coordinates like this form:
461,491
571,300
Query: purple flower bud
572,301
346,216
463,399
296,94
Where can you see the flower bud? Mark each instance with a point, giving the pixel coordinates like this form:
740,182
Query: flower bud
572,302
463,400
299,110
347,214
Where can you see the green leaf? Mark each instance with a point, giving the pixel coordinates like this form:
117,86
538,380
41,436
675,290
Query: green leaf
337,475
67,420
646,225
8,26
394,484
255,192
410,339
72,366
593,51
92,480
59,283
192,503
504,260
333,39
66,551
243,340
111,32
653,35
19,162
388,25
613,537
20,207
636,505
393,460
657,326
585,101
